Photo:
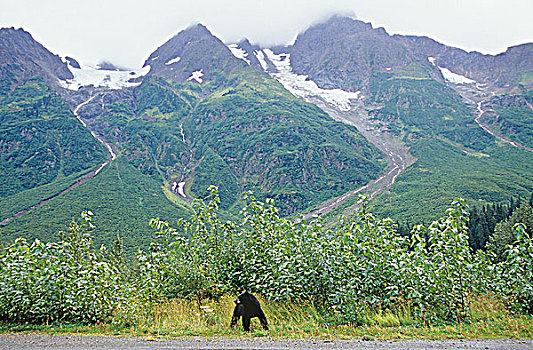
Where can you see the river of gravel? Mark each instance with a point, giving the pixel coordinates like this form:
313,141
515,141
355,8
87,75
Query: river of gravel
40,341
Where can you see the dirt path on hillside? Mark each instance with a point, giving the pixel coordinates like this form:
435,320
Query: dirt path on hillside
81,180
477,96
39,341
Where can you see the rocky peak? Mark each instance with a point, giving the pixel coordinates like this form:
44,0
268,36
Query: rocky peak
502,71
21,57
344,53
247,52
192,54
337,26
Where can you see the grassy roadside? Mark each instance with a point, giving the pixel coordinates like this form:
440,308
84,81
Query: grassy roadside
180,318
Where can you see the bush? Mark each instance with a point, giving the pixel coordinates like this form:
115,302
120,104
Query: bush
357,267
361,264
64,281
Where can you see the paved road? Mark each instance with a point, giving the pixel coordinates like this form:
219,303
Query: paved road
38,341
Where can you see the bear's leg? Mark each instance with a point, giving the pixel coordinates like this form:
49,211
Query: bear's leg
237,313
264,322
246,323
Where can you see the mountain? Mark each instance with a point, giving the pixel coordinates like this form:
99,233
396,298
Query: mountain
196,116
503,71
201,108
52,166
344,53
433,103
193,54
22,58
346,109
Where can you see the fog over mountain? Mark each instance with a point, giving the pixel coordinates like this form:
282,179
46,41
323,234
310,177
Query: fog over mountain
122,32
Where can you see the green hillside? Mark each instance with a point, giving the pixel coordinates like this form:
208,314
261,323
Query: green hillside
511,115
44,150
455,157
41,141
122,199
253,135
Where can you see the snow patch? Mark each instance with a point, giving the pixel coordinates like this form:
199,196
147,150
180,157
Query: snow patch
301,86
197,75
239,52
181,187
455,78
451,76
174,60
261,58
114,80
155,58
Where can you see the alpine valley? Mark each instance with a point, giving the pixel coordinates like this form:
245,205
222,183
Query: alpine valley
347,109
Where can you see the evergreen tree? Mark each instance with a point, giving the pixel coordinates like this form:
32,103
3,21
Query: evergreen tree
504,231
117,258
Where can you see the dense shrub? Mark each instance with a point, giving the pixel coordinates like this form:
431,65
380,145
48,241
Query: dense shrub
358,265
346,270
64,281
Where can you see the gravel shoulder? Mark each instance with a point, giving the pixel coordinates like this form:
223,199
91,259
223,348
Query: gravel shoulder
41,341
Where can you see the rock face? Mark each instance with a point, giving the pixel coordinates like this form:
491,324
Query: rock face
21,58
502,71
72,62
193,54
105,65
344,53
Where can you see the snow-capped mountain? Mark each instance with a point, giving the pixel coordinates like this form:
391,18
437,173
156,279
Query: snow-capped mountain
193,54
344,110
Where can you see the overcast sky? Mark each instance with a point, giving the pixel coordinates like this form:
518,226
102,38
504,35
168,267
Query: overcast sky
125,32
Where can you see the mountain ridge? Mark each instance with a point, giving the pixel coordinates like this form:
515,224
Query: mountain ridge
206,112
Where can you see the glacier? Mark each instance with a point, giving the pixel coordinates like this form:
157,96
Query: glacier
114,80
301,86
238,52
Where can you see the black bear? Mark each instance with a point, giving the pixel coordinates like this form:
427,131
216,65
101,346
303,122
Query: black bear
248,306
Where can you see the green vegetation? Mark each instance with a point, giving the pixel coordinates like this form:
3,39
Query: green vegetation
454,156
442,171
360,279
504,231
17,202
240,131
41,141
511,116
183,318
122,199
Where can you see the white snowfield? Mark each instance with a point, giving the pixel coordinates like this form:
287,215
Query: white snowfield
174,60
451,76
261,58
180,188
114,80
238,52
197,75
302,87
455,78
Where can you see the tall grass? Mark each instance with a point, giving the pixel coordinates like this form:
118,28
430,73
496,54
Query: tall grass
488,318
